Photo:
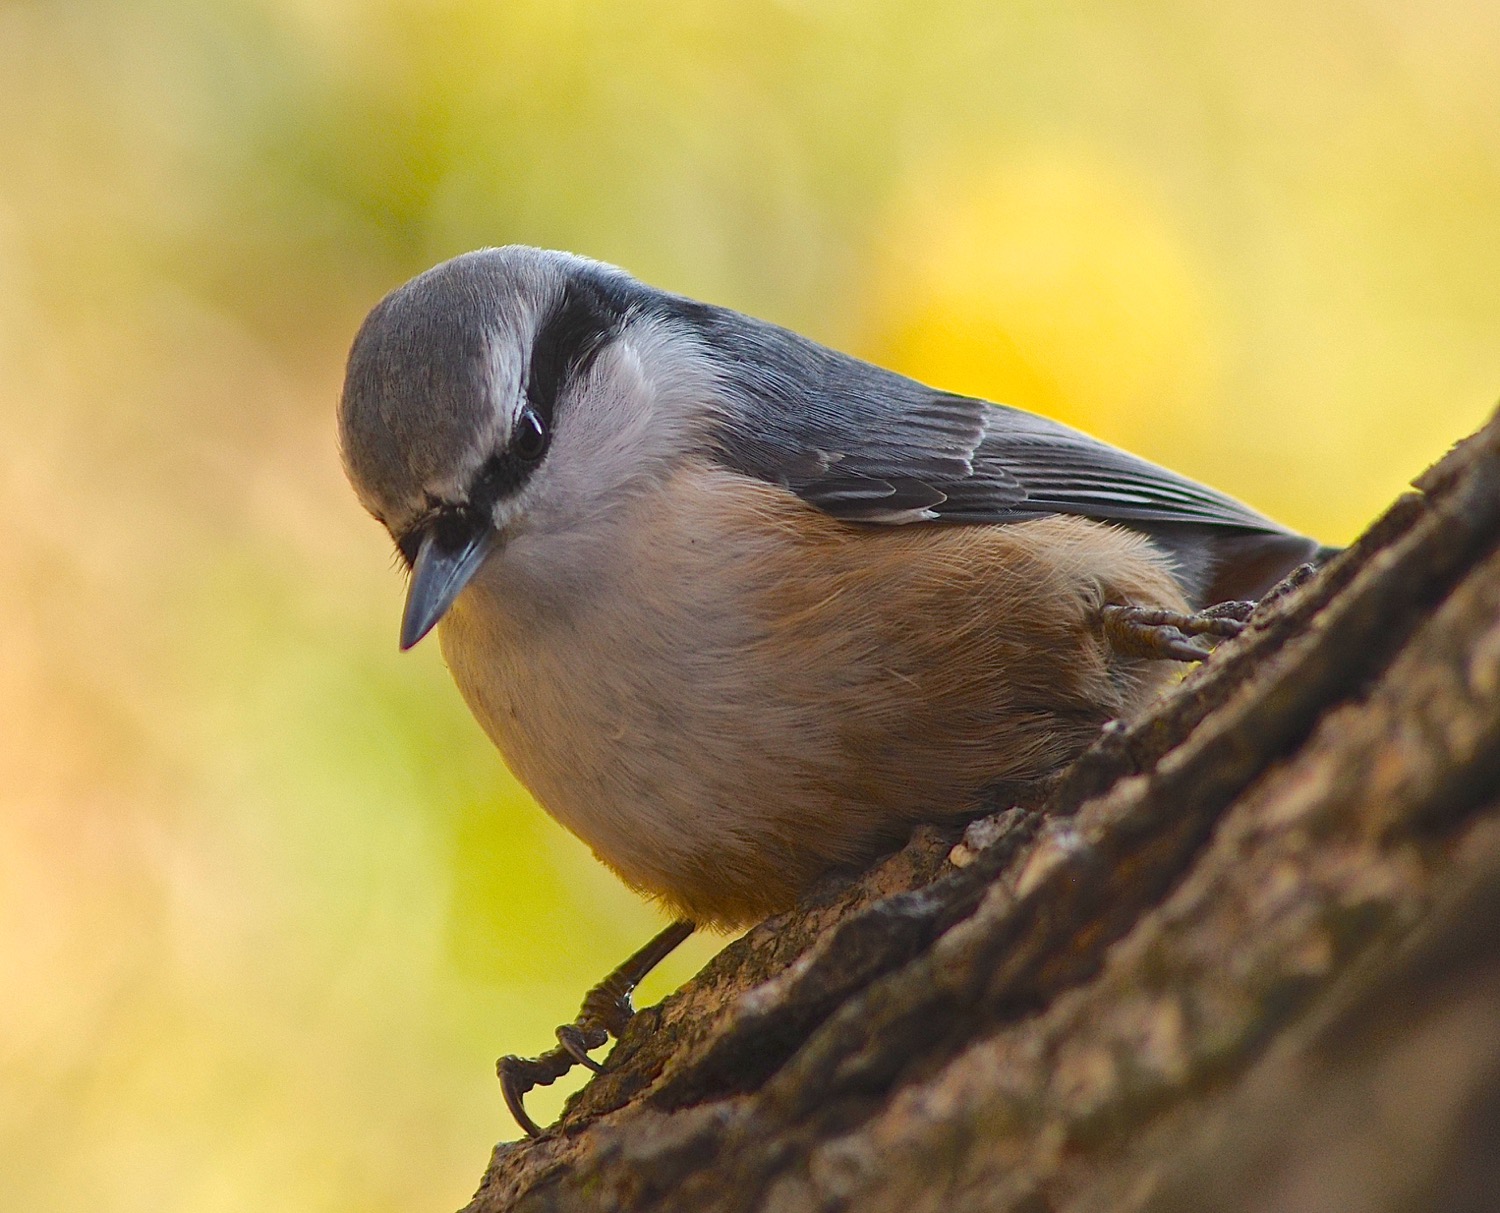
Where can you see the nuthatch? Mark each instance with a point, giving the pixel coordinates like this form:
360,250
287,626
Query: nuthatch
740,610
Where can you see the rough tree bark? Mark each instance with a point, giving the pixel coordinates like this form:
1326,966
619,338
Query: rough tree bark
1246,956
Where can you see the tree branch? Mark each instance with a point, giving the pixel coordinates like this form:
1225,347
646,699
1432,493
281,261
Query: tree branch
1245,956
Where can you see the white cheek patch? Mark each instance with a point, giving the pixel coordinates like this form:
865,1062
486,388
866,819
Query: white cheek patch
647,401
649,397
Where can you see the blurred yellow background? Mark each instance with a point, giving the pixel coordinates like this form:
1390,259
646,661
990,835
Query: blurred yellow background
269,905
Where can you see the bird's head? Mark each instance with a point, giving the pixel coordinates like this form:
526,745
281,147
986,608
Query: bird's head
508,392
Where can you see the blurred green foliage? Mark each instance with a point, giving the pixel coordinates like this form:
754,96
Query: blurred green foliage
269,905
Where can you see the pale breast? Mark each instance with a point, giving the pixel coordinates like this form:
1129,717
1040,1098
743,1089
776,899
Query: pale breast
726,693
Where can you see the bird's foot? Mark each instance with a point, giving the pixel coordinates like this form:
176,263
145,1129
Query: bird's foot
605,1012
575,1041
1137,631
519,1075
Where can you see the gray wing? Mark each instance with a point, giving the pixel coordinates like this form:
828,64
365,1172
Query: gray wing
868,445
1063,471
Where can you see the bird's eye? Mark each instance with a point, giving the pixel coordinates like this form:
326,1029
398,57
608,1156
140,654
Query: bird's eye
529,438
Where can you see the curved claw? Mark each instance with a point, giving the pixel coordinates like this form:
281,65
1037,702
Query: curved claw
577,1041
519,1075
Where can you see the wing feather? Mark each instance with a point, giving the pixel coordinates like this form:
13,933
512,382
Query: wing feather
868,445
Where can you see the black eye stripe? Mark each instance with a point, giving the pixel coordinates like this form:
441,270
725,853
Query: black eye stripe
585,318
502,474
580,324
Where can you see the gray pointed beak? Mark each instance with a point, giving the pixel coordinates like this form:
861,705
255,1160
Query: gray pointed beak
438,576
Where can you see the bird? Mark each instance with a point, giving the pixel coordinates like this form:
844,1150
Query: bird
740,610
